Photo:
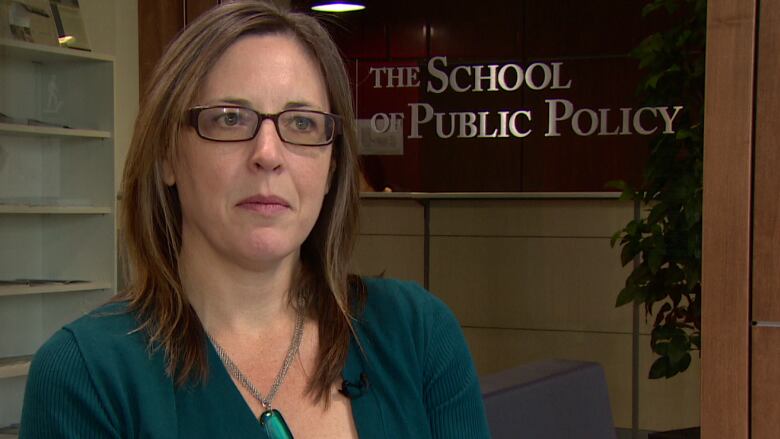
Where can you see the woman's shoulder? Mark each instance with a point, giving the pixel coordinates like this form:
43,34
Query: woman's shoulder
95,370
110,326
400,298
108,345
110,316
107,335
397,309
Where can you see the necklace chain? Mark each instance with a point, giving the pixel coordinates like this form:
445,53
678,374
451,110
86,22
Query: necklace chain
292,351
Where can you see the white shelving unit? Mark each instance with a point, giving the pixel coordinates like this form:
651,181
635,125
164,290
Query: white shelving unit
15,366
15,128
57,199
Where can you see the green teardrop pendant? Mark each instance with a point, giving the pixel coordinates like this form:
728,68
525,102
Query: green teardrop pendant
274,425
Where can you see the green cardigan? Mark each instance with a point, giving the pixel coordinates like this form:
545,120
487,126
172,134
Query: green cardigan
96,379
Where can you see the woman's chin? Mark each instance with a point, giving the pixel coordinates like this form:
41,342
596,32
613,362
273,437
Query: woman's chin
264,254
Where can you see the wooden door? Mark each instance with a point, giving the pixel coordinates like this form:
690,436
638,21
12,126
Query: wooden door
741,261
765,337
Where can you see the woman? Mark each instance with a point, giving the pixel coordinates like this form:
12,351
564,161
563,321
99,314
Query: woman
239,206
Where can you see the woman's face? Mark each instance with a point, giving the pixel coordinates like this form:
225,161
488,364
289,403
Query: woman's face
253,202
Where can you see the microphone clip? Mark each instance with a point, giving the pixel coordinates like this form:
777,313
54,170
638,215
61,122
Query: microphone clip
355,390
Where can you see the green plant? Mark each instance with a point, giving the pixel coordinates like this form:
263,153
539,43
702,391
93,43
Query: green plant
667,240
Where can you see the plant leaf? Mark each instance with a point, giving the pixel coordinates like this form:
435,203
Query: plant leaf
678,348
629,251
655,259
626,296
659,369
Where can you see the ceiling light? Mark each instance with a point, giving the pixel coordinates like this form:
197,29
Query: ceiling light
347,6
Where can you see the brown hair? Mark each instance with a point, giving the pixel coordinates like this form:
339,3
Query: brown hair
151,213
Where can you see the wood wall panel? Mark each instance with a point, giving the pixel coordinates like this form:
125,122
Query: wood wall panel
197,7
399,257
407,30
512,282
581,218
158,23
489,31
361,34
766,211
726,246
391,217
555,28
765,410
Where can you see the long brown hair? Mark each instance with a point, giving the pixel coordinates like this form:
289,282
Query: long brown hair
151,212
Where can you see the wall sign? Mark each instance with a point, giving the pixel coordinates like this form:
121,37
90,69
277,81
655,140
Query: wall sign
383,131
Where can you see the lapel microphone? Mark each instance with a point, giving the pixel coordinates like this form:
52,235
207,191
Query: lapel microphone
354,390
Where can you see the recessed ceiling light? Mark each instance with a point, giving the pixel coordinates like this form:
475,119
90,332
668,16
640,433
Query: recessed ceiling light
338,6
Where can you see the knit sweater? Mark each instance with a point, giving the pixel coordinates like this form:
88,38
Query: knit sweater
95,378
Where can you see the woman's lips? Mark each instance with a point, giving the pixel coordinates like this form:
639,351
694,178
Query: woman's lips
267,205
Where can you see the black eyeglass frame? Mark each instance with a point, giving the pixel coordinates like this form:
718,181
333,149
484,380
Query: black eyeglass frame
194,114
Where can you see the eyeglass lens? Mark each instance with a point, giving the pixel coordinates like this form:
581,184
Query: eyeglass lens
301,127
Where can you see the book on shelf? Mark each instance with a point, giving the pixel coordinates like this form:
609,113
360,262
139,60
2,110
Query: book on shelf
28,20
4,118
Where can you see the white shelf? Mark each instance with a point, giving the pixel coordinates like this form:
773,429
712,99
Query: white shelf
21,290
42,53
53,210
57,209
14,366
35,130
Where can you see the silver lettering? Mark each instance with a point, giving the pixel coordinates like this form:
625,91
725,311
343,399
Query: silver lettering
454,79
603,130
668,119
502,77
554,117
557,77
416,120
529,76
483,125
594,122
479,77
638,121
513,123
437,74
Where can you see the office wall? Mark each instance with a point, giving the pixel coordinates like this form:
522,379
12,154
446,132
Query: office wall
112,29
530,279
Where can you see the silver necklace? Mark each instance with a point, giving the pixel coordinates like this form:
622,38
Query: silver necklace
271,419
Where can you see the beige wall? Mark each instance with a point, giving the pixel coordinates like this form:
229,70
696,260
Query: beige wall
112,29
530,279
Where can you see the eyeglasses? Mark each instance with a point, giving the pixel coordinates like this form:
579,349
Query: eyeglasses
232,123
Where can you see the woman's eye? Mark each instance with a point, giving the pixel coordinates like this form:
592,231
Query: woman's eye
301,123
229,119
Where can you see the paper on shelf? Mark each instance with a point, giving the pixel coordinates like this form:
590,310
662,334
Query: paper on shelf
28,20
